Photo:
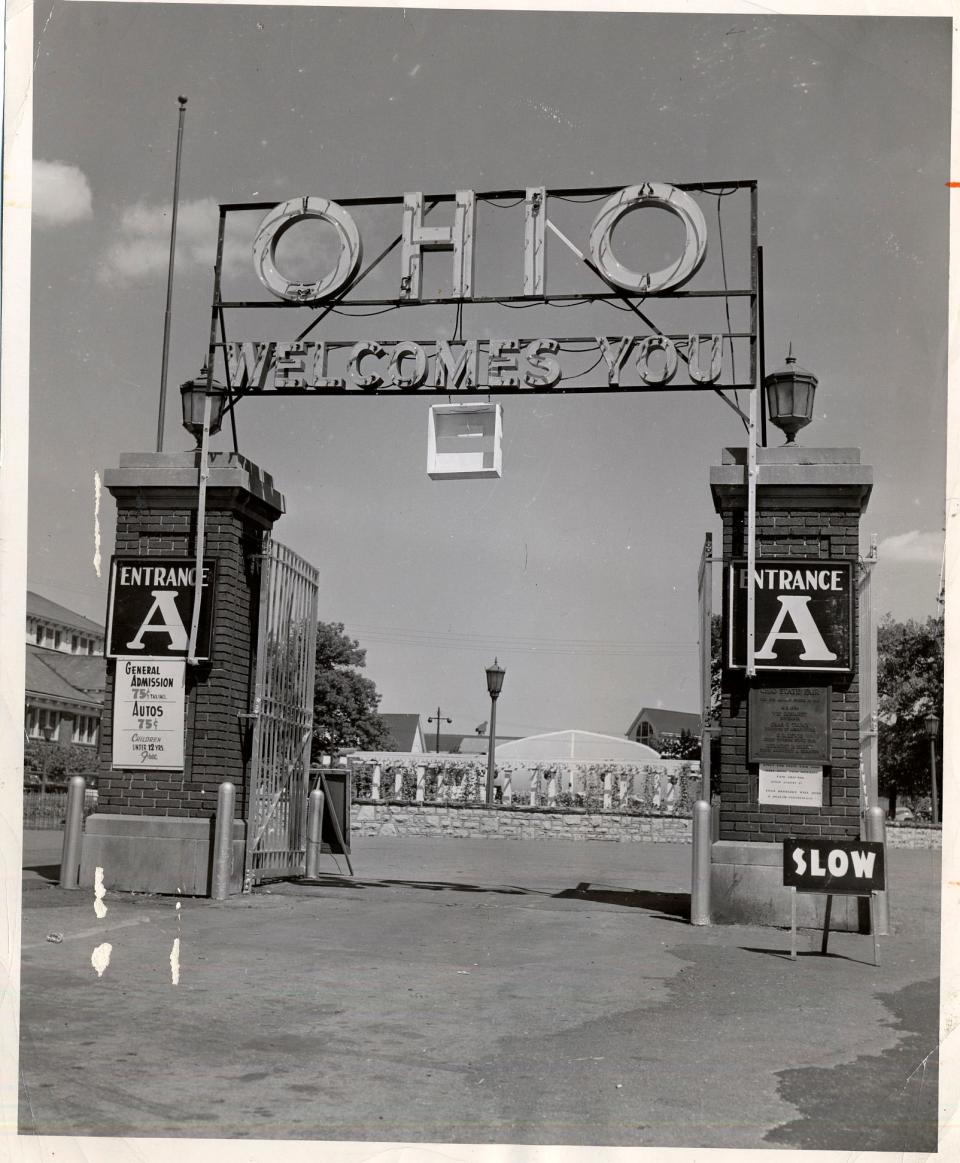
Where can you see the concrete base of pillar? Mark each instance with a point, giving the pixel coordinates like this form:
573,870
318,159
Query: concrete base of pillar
166,854
746,888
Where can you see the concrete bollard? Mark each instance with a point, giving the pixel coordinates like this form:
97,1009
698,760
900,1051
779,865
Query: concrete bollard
876,830
73,833
314,833
507,787
608,791
700,880
375,784
223,842
421,783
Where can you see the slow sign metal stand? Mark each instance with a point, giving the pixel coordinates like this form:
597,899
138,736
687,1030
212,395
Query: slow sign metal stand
852,868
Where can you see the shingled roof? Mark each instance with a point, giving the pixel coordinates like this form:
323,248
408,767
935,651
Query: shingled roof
40,607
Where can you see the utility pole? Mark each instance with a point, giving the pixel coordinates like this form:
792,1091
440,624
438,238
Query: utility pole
438,721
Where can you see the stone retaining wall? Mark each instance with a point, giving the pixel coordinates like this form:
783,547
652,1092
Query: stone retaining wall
913,836
370,819
468,820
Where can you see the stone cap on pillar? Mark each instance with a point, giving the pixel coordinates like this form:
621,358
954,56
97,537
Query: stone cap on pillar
178,473
794,477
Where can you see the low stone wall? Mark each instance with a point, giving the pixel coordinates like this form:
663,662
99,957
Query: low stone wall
370,819
914,835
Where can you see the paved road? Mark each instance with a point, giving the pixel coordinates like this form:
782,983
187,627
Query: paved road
477,991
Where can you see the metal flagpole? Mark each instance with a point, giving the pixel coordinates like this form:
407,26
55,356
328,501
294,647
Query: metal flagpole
173,244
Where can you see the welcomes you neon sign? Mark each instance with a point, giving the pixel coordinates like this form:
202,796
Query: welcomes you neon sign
688,326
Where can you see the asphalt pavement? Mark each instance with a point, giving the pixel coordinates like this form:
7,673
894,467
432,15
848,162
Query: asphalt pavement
481,991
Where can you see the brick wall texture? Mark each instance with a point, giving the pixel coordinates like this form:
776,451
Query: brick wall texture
806,533
218,691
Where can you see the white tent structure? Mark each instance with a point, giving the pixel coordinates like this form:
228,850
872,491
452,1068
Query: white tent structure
587,746
569,753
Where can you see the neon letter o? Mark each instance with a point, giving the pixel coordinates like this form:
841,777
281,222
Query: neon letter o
278,221
666,197
413,351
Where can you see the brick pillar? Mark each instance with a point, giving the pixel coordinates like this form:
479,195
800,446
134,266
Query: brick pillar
152,830
809,503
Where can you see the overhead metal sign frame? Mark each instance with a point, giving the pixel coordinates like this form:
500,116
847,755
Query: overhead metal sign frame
628,290
645,358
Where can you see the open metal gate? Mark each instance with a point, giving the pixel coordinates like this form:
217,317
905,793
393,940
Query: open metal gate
282,716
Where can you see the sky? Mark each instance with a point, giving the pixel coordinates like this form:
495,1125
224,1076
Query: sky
577,569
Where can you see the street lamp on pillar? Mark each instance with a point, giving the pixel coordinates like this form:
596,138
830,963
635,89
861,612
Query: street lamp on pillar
495,675
790,391
932,724
193,397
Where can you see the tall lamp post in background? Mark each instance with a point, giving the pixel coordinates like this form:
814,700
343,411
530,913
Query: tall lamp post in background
495,675
932,724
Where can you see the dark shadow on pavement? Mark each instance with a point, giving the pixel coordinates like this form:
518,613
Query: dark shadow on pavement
49,872
432,885
673,904
785,953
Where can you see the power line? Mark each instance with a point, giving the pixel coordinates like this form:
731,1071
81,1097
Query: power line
532,645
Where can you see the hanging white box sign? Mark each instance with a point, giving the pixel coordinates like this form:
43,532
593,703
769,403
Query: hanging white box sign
149,713
464,441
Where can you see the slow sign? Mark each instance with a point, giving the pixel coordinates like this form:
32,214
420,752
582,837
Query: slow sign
833,866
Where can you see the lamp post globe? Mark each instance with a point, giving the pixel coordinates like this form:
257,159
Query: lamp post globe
193,396
495,675
790,391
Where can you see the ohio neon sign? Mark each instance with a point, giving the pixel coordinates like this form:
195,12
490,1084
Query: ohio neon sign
653,357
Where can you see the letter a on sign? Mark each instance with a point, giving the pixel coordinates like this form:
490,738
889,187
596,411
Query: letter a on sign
805,630
172,625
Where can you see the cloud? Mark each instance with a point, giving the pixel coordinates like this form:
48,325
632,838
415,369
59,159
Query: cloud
61,194
142,248
911,548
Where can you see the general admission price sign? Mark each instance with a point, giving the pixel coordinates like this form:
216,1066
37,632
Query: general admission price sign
472,292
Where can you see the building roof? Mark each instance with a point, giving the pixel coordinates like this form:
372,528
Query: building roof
40,607
86,672
665,722
42,681
403,730
449,742
478,744
573,744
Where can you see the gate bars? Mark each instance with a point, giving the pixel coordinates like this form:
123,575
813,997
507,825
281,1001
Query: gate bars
283,716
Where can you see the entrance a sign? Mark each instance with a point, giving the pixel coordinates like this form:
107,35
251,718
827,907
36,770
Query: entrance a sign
833,866
804,615
151,607
149,713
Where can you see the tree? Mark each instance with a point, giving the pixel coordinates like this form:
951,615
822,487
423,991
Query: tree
682,746
909,687
344,701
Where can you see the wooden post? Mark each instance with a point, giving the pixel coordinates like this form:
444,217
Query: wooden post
607,791
826,923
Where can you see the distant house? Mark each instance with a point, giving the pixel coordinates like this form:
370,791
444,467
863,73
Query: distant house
655,725
479,744
65,674
406,733
449,742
